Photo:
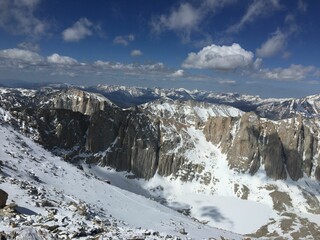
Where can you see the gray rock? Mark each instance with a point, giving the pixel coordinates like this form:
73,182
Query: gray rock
284,146
80,101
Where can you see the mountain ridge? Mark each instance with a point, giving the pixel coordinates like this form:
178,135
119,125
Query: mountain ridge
213,148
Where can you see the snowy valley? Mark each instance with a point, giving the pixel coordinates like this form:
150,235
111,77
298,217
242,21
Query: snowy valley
110,162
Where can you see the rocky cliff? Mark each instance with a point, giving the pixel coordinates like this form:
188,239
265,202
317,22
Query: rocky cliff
154,137
281,147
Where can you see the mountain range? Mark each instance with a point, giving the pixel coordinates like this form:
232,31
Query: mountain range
156,163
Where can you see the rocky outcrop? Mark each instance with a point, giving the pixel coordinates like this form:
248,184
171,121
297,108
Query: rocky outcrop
272,152
80,101
282,147
3,198
244,153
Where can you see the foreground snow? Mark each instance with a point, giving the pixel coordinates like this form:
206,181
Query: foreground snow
64,185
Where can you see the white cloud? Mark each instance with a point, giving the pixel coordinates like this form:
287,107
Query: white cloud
187,18
124,40
79,30
257,64
274,45
20,57
178,73
292,73
257,9
26,61
183,20
62,60
136,53
219,58
18,17
130,67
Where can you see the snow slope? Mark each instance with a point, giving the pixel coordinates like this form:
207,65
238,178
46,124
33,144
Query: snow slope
25,161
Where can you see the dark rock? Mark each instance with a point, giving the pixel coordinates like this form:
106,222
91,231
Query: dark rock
47,203
292,138
272,153
103,129
61,128
3,198
183,231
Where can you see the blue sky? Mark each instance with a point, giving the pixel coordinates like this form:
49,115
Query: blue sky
259,47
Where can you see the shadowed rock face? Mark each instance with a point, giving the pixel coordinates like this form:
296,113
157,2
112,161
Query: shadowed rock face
103,129
136,147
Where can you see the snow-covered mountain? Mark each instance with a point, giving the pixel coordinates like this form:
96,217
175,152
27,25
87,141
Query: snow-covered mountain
276,109
254,173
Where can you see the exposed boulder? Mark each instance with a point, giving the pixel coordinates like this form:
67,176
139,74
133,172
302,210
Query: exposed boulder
3,198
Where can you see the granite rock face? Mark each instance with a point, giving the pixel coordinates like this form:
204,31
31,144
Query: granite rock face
286,146
103,129
80,101
136,147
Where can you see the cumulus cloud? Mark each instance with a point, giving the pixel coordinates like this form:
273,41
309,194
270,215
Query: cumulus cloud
124,40
62,60
178,73
257,9
219,58
274,45
292,73
19,17
136,53
79,30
